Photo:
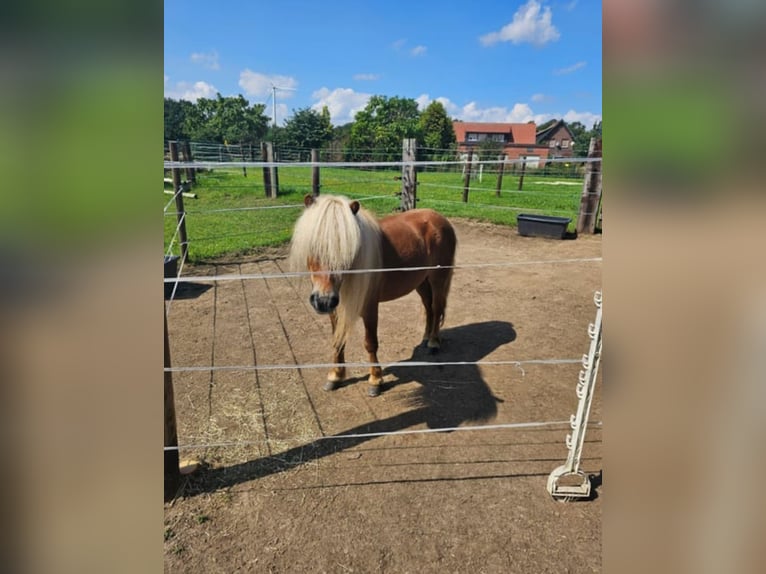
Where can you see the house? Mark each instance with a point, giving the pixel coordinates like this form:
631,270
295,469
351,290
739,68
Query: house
558,138
517,140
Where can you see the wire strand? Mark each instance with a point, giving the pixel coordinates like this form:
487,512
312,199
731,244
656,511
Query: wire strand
293,366
504,426
269,164
237,277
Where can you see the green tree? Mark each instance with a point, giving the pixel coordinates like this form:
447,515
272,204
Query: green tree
381,126
175,116
436,130
307,129
580,139
226,119
339,145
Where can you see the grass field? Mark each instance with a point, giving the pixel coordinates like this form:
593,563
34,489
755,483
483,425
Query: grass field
227,218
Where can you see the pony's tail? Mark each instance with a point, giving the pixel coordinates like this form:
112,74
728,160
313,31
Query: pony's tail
444,295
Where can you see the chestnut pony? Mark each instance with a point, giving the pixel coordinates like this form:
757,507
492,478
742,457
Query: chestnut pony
334,234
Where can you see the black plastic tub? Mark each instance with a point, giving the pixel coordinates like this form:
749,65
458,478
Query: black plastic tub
543,225
171,270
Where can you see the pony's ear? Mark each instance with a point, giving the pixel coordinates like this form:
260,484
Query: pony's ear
354,205
308,200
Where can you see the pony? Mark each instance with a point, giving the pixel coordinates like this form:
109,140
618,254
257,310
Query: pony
334,235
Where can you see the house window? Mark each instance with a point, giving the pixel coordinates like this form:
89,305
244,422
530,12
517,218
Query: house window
498,138
472,137
564,143
552,143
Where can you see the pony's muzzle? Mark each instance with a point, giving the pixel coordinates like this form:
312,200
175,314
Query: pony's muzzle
324,303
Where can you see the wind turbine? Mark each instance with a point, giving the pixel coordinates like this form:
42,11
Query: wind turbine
274,99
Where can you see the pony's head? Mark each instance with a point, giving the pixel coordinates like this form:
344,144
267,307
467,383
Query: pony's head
333,235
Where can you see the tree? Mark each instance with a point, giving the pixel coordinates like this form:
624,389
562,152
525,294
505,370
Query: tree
341,136
381,126
436,129
226,119
175,116
580,139
308,129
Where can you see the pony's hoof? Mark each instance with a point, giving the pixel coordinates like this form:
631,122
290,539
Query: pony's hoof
331,385
373,390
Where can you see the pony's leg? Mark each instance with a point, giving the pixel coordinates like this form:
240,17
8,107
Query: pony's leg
370,318
426,296
336,374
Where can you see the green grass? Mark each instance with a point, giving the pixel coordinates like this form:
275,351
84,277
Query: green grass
214,233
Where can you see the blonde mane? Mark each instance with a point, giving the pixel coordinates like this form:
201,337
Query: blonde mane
330,233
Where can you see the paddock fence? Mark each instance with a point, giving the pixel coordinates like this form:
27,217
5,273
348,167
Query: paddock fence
243,207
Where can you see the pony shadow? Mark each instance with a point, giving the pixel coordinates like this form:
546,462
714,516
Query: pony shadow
453,394
445,397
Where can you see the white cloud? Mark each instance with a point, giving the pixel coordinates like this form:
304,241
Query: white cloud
585,118
259,85
343,103
189,91
570,6
570,69
399,44
416,51
519,113
281,113
528,25
424,101
540,98
209,61
471,112
366,77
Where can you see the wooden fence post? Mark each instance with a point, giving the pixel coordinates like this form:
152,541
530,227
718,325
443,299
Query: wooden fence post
500,169
172,464
591,190
273,172
266,170
191,173
180,211
242,155
523,169
467,181
409,175
315,173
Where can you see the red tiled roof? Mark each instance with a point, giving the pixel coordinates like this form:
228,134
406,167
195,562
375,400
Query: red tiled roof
522,133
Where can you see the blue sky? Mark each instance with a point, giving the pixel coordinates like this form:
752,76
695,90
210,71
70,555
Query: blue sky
493,61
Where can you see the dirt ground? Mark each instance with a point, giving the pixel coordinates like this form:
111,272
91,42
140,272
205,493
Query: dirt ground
277,497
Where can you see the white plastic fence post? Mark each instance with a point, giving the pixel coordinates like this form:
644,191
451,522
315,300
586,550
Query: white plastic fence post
568,488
